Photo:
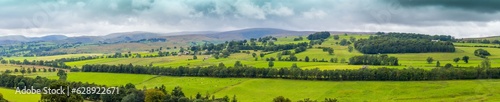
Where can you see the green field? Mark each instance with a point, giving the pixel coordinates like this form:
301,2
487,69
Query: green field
11,96
259,90
340,52
50,57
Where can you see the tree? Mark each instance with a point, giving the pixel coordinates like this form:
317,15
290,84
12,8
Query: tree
342,60
343,42
330,100
438,64
281,99
330,51
262,55
238,64
254,54
448,65
350,48
194,57
154,95
486,63
271,64
177,91
23,71
456,60
481,53
294,65
352,39
465,59
306,59
430,60
234,99
2,99
336,37
62,75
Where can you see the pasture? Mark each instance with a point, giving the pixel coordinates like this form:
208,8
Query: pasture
11,96
260,90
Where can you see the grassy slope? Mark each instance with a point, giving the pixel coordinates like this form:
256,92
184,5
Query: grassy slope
259,90
49,57
10,95
406,59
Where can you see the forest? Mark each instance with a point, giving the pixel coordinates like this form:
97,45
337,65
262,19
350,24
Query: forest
404,43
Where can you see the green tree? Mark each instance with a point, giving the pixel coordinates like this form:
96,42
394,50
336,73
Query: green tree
254,54
330,51
465,59
343,42
234,99
281,99
62,75
456,60
306,59
238,64
481,53
177,91
294,65
352,39
330,100
350,48
430,60
271,64
438,64
194,57
2,99
486,63
336,37
154,95
448,65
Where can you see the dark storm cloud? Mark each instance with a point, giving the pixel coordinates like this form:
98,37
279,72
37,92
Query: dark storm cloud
486,6
99,17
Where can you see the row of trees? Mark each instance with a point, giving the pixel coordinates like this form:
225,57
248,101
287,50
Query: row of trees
319,35
407,74
373,60
403,43
484,41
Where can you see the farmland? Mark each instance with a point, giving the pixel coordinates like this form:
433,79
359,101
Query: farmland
259,89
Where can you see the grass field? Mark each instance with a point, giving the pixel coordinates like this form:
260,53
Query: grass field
259,90
47,58
11,96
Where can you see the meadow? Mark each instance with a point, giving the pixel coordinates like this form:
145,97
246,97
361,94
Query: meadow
11,96
259,90
340,52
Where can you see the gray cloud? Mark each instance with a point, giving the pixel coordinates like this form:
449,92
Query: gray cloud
99,17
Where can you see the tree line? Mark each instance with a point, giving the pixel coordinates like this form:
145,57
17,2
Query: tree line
318,35
373,60
294,72
404,43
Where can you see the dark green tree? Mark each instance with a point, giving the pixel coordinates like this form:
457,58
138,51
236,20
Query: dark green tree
465,59
430,60
456,60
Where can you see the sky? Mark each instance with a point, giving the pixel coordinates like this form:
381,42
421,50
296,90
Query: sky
459,18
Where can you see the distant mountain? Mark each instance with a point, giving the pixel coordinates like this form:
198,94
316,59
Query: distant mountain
256,33
130,36
49,38
192,36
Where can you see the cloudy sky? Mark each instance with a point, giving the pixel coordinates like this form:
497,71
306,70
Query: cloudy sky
460,18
